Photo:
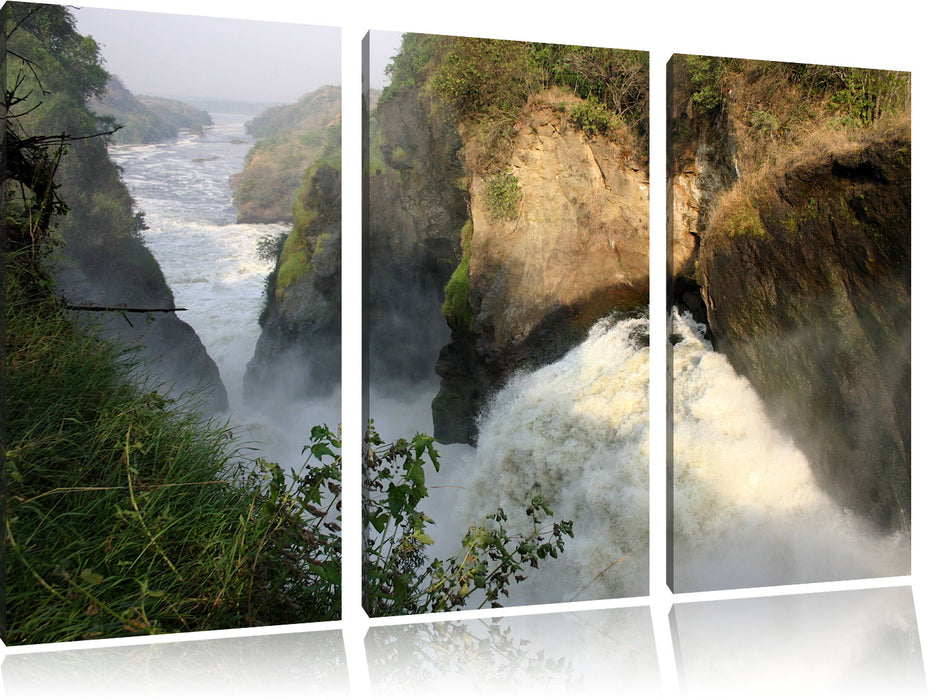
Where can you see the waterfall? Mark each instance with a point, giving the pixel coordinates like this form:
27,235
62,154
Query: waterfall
747,509
577,433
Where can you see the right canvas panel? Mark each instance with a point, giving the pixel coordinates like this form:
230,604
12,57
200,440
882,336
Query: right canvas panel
788,218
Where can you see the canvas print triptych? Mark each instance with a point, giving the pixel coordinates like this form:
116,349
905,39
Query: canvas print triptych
172,448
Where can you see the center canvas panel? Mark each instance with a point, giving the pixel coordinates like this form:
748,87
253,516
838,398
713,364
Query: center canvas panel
506,323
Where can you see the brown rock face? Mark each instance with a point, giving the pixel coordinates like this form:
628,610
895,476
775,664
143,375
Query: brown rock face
574,249
807,285
578,245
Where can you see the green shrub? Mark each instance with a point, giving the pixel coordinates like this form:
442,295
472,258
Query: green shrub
592,117
483,78
764,121
398,576
502,194
705,73
863,96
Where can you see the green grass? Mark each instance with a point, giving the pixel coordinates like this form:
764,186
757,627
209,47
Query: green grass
502,195
128,513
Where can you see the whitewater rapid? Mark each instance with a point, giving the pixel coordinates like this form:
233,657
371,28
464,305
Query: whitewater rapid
214,269
747,510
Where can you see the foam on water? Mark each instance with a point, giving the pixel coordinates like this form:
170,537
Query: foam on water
577,433
213,267
747,510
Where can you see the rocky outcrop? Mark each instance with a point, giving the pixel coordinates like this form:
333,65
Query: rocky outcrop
571,248
172,356
298,353
806,280
417,206
790,240
288,139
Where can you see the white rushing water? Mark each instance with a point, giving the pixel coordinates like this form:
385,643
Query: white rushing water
577,433
212,265
747,510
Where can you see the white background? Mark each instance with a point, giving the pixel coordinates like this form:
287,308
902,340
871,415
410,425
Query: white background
894,35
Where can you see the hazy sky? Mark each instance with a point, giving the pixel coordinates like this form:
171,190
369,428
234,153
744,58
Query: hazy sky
184,56
383,47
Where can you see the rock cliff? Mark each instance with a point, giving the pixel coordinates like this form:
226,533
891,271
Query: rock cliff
789,226
298,353
807,287
126,275
507,205
416,209
571,248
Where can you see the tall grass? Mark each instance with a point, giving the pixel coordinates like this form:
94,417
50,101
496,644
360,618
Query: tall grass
130,514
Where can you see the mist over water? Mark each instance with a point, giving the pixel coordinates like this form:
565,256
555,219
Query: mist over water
212,266
747,509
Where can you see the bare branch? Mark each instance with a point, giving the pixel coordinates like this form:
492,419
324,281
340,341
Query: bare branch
25,17
125,309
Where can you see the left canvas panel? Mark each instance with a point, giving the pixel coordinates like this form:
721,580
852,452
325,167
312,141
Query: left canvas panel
172,316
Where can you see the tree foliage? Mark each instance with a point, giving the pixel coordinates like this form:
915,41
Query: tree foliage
52,72
489,80
399,576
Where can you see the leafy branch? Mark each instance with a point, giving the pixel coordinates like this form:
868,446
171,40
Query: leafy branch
400,578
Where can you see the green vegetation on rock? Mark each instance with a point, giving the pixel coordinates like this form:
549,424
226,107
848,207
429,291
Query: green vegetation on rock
592,117
502,194
294,262
314,210
488,81
289,139
457,308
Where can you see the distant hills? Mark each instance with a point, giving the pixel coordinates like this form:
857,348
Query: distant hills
147,119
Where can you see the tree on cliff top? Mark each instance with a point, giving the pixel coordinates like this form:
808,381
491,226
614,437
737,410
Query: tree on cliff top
488,81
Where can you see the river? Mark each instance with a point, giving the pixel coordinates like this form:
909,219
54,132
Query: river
213,267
